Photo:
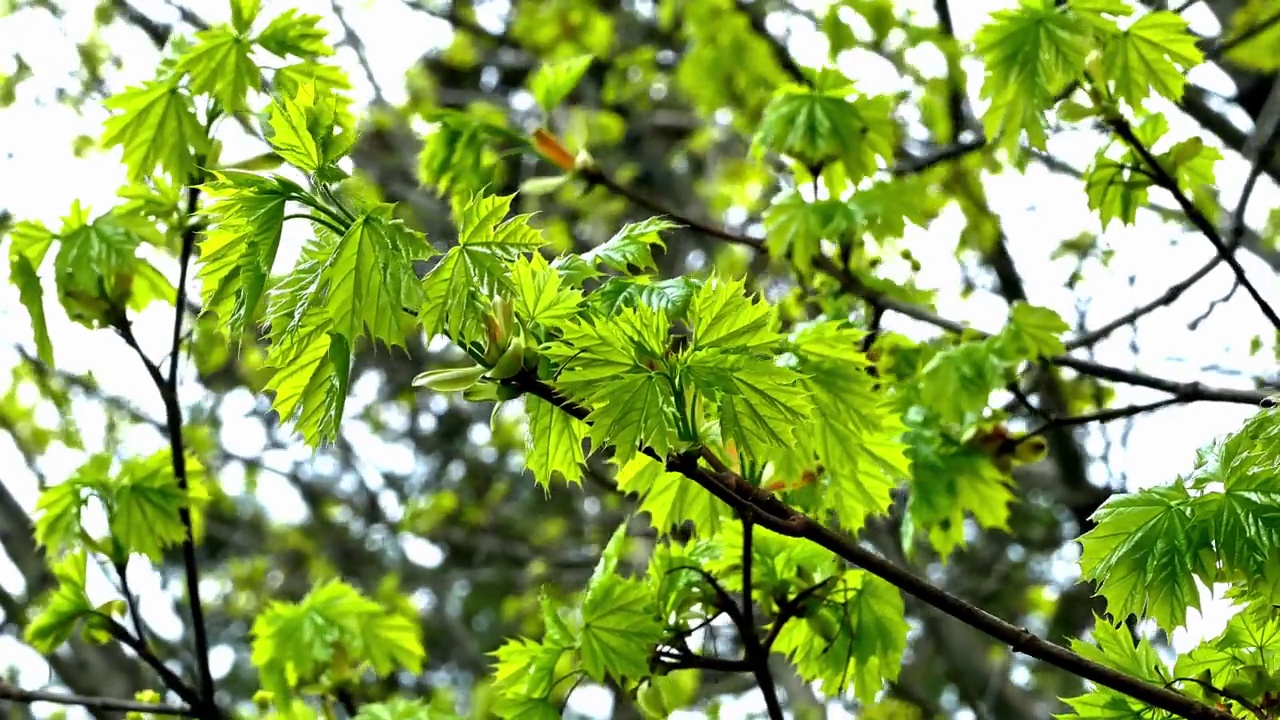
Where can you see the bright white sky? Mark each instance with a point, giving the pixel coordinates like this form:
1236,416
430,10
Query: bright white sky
40,177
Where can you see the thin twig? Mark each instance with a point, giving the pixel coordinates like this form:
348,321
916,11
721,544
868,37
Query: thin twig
1124,130
177,449
139,629
1213,305
171,680
352,40
1101,416
1168,297
167,386
89,702
1257,150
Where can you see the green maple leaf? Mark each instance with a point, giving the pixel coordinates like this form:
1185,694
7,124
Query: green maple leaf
219,64
574,270
97,272
884,208
669,498
1192,163
594,353
636,412
760,403
451,300
619,628
328,80
1155,52
722,317
458,154
539,297
457,291
795,227
1251,637
552,82
59,508
1033,332
155,125
307,129
369,277
1115,190
855,432
1144,553
1031,52
856,637
239,249
57,525
31,295
632,246
820,124
1098,14
90,253
1248,502
294,643
553,442
1261,50
143,501
63,608
312,373
526,668
951,480
670,297
1113,646
244,13
957,383
294,33
29,242
391,641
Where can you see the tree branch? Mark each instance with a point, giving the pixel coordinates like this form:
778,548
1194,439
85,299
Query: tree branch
772,513
167,385
90,702
1124,130
852,285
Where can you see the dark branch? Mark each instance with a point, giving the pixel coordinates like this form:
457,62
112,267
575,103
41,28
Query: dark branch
90,702
1163,179
771,512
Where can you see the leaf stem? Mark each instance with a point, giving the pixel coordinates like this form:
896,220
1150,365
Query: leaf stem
317,220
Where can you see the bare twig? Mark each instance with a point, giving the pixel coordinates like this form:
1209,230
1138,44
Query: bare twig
1257,150
352,40
89,702
1222,46
1168,297
1101,416
1163,179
